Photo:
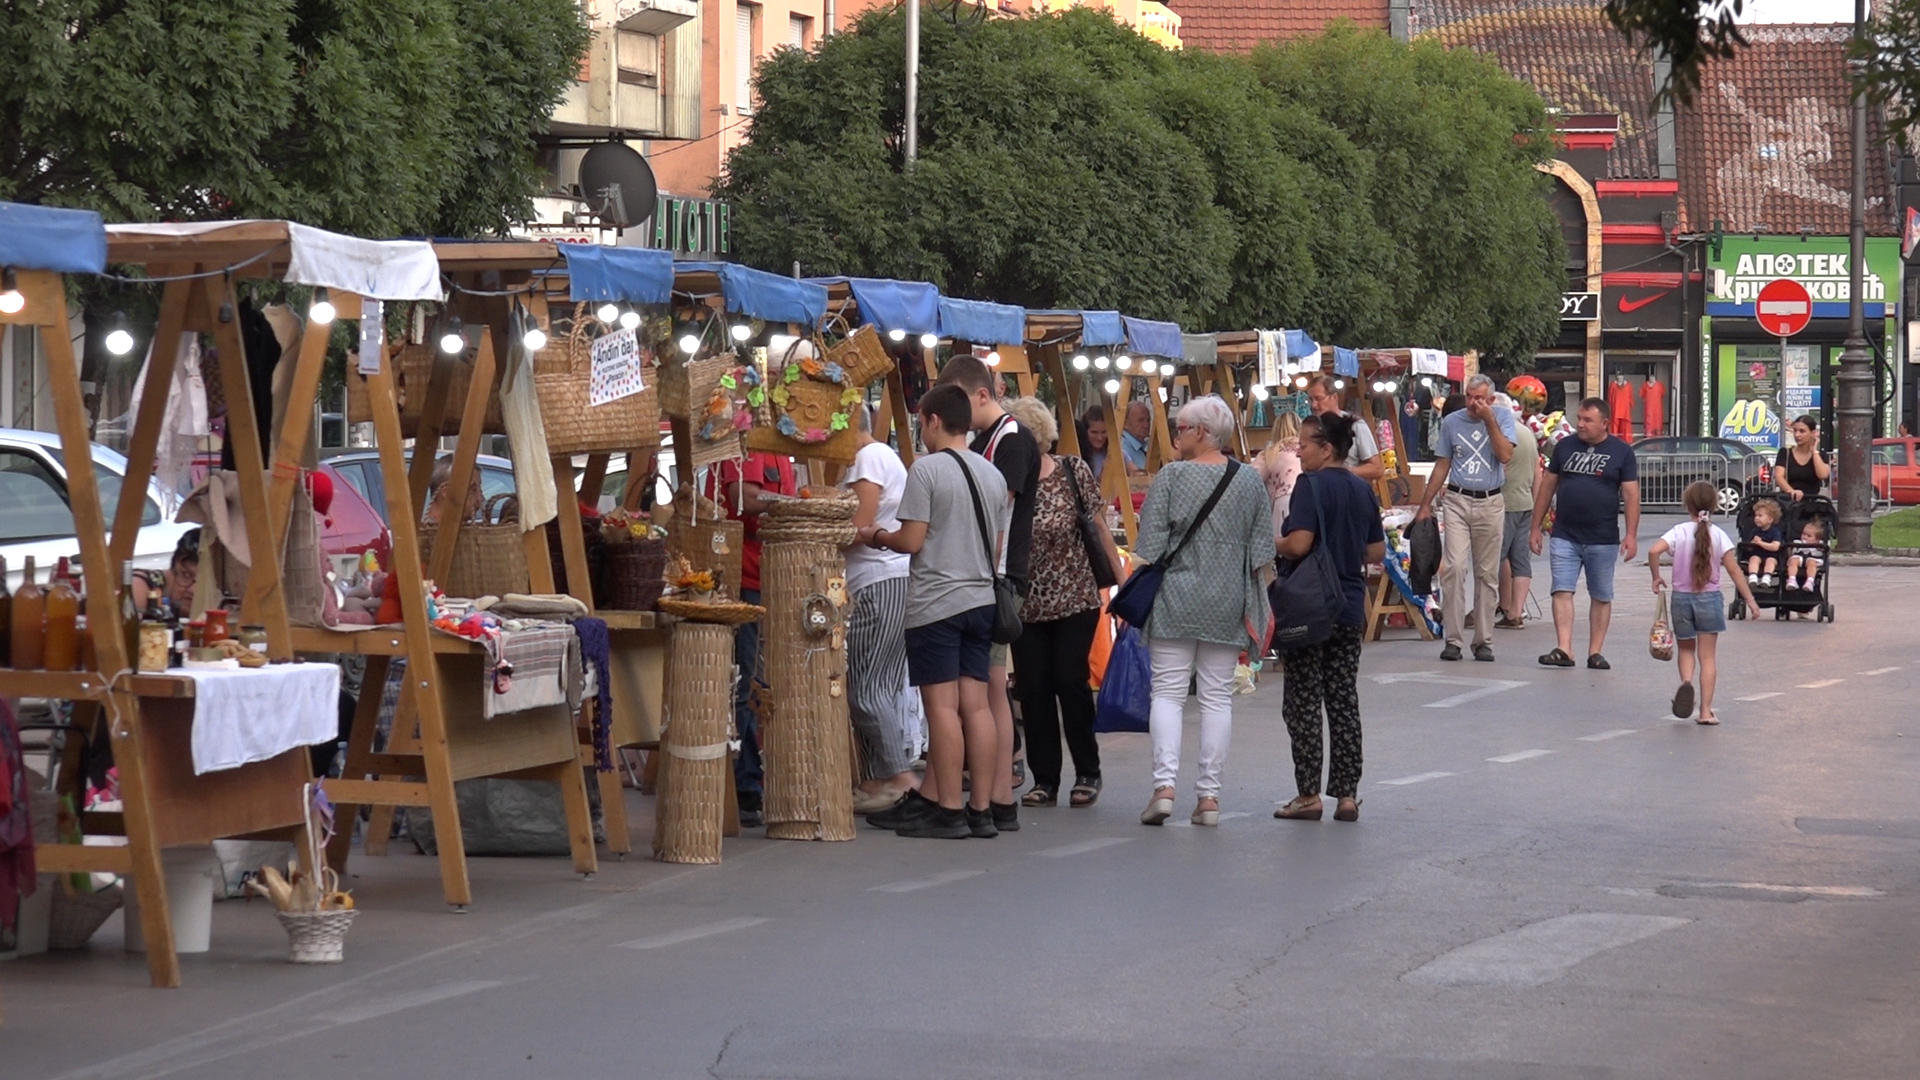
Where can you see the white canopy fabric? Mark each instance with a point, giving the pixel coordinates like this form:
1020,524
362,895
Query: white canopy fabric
378,269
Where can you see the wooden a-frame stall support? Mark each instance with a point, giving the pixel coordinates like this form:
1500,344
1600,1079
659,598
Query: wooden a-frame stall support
148,717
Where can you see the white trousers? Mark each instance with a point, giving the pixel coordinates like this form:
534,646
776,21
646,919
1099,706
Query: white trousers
1211,666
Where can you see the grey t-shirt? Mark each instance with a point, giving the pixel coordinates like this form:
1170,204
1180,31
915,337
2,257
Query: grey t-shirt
1364,449
953,571
1465,443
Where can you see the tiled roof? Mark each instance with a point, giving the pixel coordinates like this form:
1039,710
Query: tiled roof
1765,144
1236,26
1568,52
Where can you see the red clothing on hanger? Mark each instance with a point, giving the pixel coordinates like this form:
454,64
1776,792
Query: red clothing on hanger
1653,406
1620,403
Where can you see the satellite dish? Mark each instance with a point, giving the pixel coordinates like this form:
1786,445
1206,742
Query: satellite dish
617,183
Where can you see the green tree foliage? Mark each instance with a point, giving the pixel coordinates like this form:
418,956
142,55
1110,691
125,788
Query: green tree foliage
375,117
1068,162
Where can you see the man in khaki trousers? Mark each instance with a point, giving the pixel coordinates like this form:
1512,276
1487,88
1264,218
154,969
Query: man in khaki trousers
1469,470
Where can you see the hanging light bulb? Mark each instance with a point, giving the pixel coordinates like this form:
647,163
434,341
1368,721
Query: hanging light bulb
1113,386
1149,366
1426,382
534,339
1124,363
993,359
896,334
1259,392
1393,386
452,340
1300,381
119,342
1102,363
1080,361
689,344
741,332
629,320
12,302
1339,384
608,313
322,312
928,341
1379,387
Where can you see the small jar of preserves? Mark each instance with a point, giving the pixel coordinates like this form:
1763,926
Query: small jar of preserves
255,638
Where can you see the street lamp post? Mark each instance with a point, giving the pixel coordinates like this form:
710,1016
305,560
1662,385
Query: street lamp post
913,80
1856,380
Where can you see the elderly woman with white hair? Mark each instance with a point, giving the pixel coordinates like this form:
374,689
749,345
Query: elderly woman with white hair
1060,617
1209,521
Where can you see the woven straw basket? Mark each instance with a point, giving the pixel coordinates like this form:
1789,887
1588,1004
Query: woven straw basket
695,769
316,937
862,355
412,373
77,916
488,558
562,375
633,574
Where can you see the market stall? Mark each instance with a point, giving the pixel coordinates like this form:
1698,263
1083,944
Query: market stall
197,757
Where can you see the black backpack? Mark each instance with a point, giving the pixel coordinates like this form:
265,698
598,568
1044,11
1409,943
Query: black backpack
1307,598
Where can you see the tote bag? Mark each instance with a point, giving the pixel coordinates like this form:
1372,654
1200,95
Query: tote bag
1306,598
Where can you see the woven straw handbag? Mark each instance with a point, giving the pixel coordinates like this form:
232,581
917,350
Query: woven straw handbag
488,558
562,374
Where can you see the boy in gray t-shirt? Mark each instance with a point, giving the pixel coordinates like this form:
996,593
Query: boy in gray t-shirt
950,616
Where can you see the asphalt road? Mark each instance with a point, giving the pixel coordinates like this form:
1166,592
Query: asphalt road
1551,878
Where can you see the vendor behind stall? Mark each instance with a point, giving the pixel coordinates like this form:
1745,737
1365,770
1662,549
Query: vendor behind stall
177,582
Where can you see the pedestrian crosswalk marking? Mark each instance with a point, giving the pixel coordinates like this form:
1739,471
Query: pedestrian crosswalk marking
1083,847
1605,735
1821,684
1758,697
1881,670
945,877
1522,755
1416,778
692,933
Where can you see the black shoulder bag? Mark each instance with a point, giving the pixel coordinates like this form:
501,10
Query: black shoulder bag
1307,598
1006,600
1132,602
1090,530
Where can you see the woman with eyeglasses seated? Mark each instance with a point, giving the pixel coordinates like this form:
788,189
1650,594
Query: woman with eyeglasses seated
176,584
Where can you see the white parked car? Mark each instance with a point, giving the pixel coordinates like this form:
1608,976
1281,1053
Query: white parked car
36,518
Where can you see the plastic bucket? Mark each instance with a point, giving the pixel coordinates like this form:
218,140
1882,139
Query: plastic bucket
190,873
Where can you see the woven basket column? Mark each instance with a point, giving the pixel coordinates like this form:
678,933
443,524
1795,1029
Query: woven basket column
694,767
806,732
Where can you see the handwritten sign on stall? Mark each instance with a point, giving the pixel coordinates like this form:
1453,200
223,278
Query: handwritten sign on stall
616,368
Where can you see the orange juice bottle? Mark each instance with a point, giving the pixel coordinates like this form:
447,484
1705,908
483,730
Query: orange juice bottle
29,624
62,622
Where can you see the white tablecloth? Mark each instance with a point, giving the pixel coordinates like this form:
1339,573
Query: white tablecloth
260,713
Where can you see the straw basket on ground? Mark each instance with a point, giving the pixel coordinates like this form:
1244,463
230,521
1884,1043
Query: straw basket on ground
807,734
694,768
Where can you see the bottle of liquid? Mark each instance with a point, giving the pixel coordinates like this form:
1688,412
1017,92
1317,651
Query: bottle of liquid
62,615
129,616
6,614
27,648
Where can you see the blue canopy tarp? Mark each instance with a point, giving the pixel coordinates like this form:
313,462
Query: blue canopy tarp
1346,362
596,272
1102,328
760,295
911,307
1153,338
46,238
982,322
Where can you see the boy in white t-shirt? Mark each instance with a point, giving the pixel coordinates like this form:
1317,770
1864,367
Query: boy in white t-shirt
1700,550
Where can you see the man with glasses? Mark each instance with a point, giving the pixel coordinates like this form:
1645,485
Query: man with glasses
1470,466
1364,459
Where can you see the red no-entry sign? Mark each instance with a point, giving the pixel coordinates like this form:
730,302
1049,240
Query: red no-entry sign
1783,307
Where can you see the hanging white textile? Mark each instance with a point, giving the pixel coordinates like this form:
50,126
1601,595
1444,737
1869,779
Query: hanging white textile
1429,361
379,269
183,425
1272,353
527,435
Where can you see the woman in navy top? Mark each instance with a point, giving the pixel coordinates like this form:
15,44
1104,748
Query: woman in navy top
1331,507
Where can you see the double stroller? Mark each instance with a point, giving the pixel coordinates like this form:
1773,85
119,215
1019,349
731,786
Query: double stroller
1786,602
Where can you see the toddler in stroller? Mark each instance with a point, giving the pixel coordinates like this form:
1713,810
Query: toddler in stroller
1760,543
1802,588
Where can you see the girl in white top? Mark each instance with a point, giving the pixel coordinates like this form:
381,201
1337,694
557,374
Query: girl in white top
888,732
1701,550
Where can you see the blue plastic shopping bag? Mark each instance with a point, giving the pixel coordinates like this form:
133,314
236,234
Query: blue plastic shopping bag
1126,694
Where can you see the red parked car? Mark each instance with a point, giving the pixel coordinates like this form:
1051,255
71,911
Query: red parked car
1896,470
351,525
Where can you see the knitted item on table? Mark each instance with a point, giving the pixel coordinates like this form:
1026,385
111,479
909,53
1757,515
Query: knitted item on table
597,648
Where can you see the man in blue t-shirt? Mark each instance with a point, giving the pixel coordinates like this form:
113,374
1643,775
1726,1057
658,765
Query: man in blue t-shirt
1470,457
1590,473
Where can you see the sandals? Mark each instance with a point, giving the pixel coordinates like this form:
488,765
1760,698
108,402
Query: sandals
1683,701
1348,810
1040,795
1599,663
1159,808
1084,793
1557,658
1707,719
1203,816
1297,809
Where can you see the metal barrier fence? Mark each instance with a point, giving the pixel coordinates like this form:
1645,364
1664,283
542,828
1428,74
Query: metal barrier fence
1664,478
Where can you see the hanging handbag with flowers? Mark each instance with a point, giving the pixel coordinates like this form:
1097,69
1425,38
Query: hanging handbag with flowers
1660,639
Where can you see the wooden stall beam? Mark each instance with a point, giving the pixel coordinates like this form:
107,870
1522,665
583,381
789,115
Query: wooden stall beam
453,498
143,447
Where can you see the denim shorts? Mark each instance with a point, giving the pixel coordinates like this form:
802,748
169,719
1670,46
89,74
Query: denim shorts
954,648
1598,560
1696,613
1514,549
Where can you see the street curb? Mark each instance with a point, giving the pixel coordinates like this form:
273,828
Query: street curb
1883,557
